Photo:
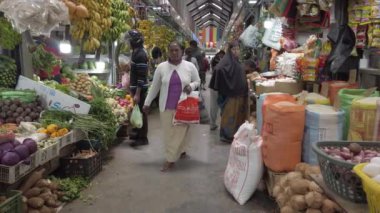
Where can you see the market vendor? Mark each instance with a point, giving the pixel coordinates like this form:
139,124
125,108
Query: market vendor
52,46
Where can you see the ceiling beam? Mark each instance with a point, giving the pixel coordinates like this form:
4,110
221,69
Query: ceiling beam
210,10
197,22
212,20
227,7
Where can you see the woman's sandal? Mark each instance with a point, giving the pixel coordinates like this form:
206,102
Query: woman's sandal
167,166
183,155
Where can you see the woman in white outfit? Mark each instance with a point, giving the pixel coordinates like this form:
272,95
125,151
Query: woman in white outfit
171,79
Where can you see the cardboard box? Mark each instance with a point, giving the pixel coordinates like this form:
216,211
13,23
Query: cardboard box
52,98
292,88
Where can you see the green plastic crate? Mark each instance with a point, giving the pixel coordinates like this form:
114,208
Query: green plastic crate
13,204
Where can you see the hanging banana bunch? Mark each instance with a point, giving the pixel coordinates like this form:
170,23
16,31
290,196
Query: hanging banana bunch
121,17
91,29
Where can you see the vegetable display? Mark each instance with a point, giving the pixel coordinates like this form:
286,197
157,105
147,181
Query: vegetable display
15,111
8,73
118,110
55,85
43,60
25,96
9,38
82,84
354,153
296,192
71,187
54,131
12,152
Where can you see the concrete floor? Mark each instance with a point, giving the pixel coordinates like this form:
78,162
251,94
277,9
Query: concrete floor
132,182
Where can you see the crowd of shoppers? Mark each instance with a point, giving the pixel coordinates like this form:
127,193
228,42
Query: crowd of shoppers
183,72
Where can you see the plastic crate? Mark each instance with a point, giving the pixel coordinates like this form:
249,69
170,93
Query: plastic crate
48,153
371,188
88,168
11,174
339,175
13,204
66,140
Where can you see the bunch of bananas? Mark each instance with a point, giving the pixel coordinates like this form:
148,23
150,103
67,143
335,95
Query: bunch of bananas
121,16
156,35
91,30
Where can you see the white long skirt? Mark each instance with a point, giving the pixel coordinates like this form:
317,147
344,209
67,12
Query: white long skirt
174,136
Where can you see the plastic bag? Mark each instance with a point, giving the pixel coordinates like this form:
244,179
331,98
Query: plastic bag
250,36
245,164
187,109
38,16
136,117
272,35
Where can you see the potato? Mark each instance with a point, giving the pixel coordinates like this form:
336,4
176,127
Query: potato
52,203
282,199
277,189
33,192
294,175
46,196
314,200
313,211
315,188
33,211
299,186
46,209
312,170
287,209
301,167
53,186
46,190
36,202
329,206
43,183
298,202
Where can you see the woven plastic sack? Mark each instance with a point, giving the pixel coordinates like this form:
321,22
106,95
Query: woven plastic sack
187,109
362,119
272,99
282,135
136,119
322,123
346,96
245,165
259,110
336,86
315,98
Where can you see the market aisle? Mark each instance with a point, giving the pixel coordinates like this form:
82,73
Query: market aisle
132,181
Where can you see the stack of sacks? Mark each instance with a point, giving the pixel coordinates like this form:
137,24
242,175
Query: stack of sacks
346,96
376,136
336,86
259,109
323,123
362,119
282,135
315,98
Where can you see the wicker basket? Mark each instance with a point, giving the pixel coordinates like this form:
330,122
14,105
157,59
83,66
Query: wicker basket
13,204
338,175
371,188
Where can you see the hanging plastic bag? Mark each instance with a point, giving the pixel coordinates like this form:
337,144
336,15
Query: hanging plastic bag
250,36
245,164
187,109
272,35
136,117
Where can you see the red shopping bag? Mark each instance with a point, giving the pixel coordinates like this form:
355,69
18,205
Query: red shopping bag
187,110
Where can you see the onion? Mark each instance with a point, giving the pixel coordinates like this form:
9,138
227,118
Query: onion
346,155
337,157
345,149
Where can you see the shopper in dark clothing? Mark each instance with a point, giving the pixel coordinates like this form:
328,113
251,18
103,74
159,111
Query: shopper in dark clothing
217,58
139,83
